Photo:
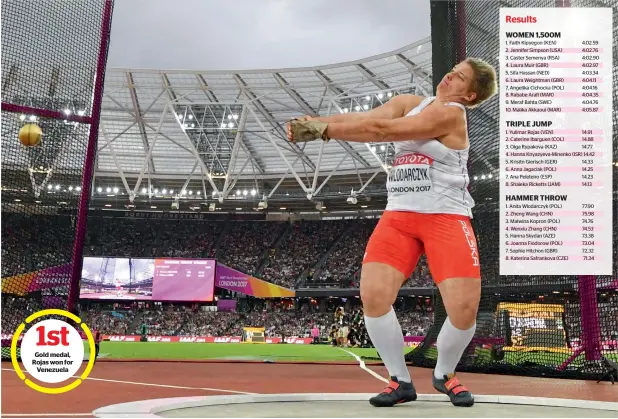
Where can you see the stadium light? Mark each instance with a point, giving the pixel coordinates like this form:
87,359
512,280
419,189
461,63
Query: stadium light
389,94
171,191
57,187
382,147
244,192
357,108
81,113
108,190
99,189
115,190
346,110
253,192
190,192
190,116
490,175
237,192
380,95
192,125
230,125
22,117
78,188
144,190
476,178
198,193
365,107
373,149
32,118
67,112
229,117
483,177
156,191
183,192
367,97
164,191
70,188
180,116
235,117
50,186
223,125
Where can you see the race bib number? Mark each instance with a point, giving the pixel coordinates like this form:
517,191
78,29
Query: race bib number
410,174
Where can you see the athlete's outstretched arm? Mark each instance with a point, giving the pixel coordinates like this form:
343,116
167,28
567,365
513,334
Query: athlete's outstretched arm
394,108
432,122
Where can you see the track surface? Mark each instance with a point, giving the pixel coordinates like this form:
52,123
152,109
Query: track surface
112,382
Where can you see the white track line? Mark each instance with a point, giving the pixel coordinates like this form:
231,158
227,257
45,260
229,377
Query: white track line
361,364
218,390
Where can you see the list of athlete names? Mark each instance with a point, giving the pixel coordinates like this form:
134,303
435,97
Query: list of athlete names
556,141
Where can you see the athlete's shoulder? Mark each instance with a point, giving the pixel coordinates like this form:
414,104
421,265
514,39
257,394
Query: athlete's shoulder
409,102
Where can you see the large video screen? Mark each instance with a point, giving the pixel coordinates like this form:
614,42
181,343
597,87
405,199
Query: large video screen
533,325
158,279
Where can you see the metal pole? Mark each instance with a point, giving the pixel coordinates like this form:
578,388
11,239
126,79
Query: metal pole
591,328
84,199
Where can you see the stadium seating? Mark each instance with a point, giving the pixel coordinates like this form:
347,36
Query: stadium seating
184,320
313,254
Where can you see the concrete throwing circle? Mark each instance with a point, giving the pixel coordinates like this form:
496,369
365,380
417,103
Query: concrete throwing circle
318,405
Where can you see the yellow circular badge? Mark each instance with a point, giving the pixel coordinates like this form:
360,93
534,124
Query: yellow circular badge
52,351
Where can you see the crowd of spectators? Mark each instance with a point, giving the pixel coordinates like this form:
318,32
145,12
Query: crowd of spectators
278,320
30,243
345,259
15,311
244,242
275,251
607,306
151,238
112,322
305,244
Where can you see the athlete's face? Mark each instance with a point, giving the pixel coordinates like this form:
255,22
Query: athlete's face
457,84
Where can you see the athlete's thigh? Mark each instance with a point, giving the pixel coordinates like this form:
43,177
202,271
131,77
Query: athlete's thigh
450,246
394,243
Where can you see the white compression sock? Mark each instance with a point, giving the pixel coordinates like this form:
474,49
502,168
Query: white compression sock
387,337
451,343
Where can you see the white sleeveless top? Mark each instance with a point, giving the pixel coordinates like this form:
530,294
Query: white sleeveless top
429,177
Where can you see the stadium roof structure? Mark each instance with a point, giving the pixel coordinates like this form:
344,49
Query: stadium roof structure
203,137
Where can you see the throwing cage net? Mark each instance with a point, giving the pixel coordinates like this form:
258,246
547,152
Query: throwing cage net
53,63
532,325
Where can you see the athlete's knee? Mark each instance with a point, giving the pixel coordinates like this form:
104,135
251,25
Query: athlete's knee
463,314
376,299
379,286
461,299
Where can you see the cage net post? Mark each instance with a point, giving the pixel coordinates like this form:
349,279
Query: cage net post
53,67
529,325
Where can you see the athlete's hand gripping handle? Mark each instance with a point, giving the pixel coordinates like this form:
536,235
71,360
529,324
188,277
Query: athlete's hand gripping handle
306,129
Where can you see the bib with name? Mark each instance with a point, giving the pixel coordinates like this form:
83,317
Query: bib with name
410,175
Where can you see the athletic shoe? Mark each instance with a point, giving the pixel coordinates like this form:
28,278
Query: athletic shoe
394,393
457,392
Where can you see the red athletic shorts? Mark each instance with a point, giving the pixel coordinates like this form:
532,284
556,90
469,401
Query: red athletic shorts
400,238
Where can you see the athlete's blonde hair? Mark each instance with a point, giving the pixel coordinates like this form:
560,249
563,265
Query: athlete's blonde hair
484,83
